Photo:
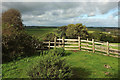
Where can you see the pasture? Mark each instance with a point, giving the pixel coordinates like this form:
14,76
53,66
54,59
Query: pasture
39,32
84,64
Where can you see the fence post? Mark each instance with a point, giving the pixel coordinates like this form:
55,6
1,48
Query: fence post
87,41
55,42
63,42
93,47
59,42
107,48
49,44
79,42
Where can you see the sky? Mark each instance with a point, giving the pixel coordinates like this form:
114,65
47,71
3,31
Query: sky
99,13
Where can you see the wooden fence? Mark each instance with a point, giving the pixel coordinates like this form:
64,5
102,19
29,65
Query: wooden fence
77,44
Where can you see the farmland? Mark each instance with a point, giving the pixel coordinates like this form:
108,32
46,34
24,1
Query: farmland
58,42
39,32
84,64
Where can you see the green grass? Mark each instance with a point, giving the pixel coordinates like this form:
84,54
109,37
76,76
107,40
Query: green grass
91,65
17,69
83,64
113,47
115,43
91,31
40,32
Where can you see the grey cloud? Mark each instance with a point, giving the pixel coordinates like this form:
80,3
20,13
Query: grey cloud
48,6
59,13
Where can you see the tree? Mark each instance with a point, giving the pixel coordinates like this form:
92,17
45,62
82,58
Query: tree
96,35
73,31
62,31
12,18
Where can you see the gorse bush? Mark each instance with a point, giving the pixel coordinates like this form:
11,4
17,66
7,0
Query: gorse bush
18,44
50,66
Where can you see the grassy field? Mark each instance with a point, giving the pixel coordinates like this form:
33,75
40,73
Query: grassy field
90,65
39,32
83,64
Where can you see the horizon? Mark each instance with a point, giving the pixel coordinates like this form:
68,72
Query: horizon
99,14
66,25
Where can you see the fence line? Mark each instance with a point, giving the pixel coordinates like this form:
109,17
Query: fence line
78,44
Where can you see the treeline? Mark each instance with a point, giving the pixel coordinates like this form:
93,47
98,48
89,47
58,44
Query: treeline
75,30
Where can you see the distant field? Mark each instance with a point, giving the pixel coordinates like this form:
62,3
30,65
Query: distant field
40,32
91,31
94,29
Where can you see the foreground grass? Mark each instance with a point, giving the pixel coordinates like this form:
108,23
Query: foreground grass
17,69
91,65
84,65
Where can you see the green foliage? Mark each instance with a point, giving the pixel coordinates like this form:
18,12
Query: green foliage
49,37
50,66
70,32
62,31
95,35
100,36
73,31
58,51
18,44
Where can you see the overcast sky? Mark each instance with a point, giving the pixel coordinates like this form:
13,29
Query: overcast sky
98,14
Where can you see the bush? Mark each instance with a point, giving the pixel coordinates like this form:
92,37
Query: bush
18,44
50,66
100,36
58,51
49,37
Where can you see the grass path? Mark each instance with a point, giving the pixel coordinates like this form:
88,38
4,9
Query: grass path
84,65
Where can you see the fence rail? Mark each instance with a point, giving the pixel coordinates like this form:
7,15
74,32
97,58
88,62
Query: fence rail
78,44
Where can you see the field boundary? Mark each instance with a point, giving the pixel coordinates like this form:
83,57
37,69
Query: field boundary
78,44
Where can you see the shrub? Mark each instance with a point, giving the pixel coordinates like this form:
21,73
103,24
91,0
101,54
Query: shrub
58,51
49,37
61,31
73,31
50,66
100,36
18,44
44,52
